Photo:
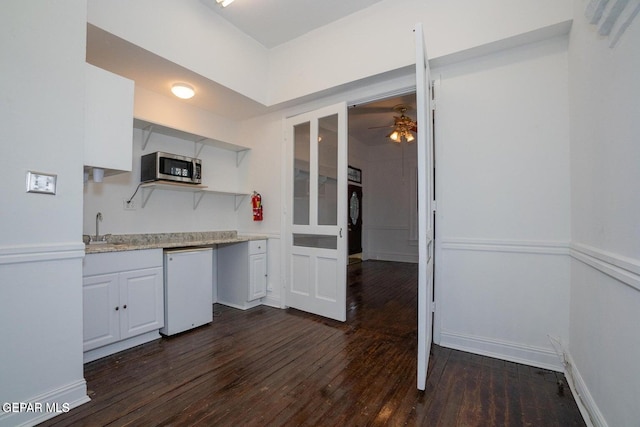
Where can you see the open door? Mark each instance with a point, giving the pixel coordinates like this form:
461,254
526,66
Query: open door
316,212
425,207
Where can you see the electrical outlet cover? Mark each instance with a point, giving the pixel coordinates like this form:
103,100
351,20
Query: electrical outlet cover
128,206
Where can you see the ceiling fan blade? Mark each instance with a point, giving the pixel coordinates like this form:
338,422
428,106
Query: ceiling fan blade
381,127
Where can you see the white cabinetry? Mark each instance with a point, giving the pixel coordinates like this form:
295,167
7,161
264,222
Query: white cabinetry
123,300
242,273
108,120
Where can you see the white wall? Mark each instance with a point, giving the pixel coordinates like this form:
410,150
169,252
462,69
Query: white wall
380,39
389,196
502,165
605,285
264,174
42,49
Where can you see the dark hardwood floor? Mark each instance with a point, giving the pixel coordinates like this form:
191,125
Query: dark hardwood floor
271,367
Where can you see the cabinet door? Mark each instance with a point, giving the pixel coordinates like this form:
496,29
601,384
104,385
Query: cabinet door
141,302
100,310
257,276
108,120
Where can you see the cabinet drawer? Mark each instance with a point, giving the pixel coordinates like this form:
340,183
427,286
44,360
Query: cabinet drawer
257,247
110,262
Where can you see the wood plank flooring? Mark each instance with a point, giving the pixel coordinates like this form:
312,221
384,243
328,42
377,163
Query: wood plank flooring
272,367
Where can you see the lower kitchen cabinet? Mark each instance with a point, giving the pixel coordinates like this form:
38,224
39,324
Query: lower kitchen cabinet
242,273
123,300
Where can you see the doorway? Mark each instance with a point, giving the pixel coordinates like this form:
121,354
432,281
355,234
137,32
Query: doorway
387,187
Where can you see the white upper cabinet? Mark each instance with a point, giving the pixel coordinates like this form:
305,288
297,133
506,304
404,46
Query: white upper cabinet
108,120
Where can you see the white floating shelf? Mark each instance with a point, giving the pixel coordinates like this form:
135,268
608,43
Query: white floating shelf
198,192
150,128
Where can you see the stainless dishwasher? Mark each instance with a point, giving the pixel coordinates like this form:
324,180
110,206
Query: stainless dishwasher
188,283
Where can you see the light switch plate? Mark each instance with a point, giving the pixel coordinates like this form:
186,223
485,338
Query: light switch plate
38,182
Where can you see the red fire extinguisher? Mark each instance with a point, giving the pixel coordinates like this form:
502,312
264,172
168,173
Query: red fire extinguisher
256,204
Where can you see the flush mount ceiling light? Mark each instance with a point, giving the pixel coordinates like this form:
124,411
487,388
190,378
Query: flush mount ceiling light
224,3
183,90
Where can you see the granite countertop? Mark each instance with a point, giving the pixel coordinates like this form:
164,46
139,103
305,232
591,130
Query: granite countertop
133,242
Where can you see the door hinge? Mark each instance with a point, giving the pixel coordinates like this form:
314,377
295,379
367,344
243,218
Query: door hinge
433,205
433,306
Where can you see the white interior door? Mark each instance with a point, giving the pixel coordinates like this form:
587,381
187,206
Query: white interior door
425,210
316,237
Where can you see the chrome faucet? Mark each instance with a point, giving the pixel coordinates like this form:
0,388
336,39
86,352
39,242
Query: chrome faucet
98,219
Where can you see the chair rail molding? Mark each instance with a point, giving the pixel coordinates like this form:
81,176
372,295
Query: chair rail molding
623,269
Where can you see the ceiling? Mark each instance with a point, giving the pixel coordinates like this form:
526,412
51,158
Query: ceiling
274,22
270,22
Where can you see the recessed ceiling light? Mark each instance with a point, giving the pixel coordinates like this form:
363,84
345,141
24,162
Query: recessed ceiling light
183,90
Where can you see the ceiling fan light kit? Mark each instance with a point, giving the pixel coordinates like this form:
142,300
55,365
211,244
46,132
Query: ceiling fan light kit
403,126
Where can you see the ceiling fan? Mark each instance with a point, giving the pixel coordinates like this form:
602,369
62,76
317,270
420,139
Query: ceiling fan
402,126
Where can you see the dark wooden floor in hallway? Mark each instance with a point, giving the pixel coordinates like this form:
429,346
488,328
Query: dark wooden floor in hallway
272,367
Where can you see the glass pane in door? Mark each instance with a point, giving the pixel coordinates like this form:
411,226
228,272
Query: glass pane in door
318,241
328,170
301,157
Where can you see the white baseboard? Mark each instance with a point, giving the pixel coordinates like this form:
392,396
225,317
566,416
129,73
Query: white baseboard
272,302
47,405
587,405
392,256
514,352
245,306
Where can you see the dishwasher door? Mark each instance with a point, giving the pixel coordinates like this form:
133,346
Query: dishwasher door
188,282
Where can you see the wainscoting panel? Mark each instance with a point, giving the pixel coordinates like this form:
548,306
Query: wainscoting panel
389,243
504,298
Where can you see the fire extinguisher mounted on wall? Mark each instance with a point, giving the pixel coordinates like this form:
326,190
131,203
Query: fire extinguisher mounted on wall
256,204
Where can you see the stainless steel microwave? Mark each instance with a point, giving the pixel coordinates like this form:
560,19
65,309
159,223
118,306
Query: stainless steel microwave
170,167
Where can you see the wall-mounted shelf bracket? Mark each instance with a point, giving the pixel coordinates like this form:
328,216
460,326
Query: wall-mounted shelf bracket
240,156
197,197
198,192
239,199
146,134
199,145
146,193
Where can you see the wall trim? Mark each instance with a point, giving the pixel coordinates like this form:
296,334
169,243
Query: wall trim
391,256
586,403
540,357
623,269
75,394
39,252
269,301
513,246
